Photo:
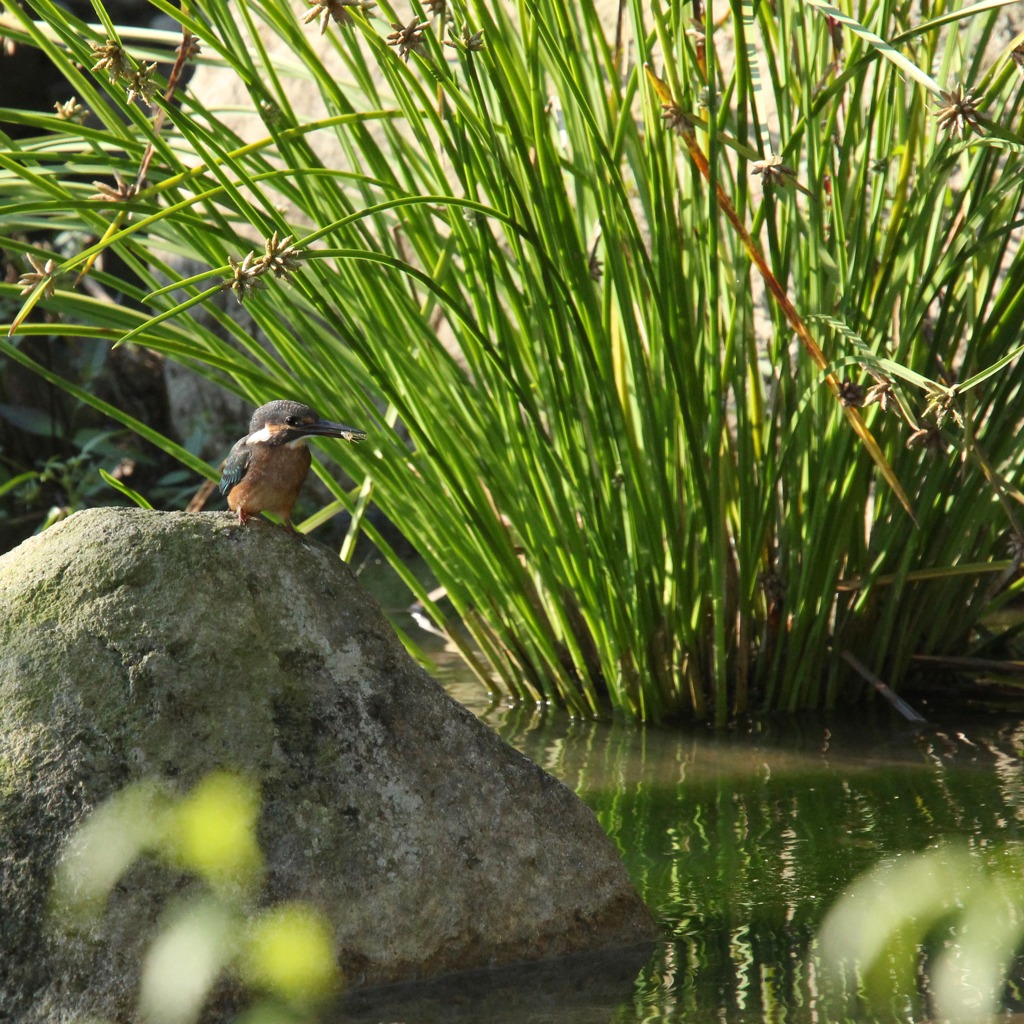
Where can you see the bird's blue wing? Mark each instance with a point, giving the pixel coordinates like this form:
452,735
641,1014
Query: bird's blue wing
234,468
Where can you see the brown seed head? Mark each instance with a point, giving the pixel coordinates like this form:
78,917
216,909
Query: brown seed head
40,272
141,84
675,117
851,393
337,10
121,192
245,276
959,113
110,57
281,257
466,39
407,38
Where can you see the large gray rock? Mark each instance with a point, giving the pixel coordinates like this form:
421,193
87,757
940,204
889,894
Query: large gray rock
139,645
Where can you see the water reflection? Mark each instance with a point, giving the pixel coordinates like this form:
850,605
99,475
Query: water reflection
740,841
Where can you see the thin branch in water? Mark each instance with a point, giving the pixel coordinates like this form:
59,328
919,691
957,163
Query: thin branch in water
898,703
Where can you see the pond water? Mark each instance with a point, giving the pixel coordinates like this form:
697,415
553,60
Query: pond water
739,841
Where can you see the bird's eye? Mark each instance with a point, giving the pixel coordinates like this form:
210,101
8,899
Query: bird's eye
292,421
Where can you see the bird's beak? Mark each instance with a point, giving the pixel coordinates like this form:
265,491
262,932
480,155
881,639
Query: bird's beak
325,428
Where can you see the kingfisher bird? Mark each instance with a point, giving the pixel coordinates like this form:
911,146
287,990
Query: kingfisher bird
265,470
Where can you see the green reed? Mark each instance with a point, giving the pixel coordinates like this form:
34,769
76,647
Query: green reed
638,485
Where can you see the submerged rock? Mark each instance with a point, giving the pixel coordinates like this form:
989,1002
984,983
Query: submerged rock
139,645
